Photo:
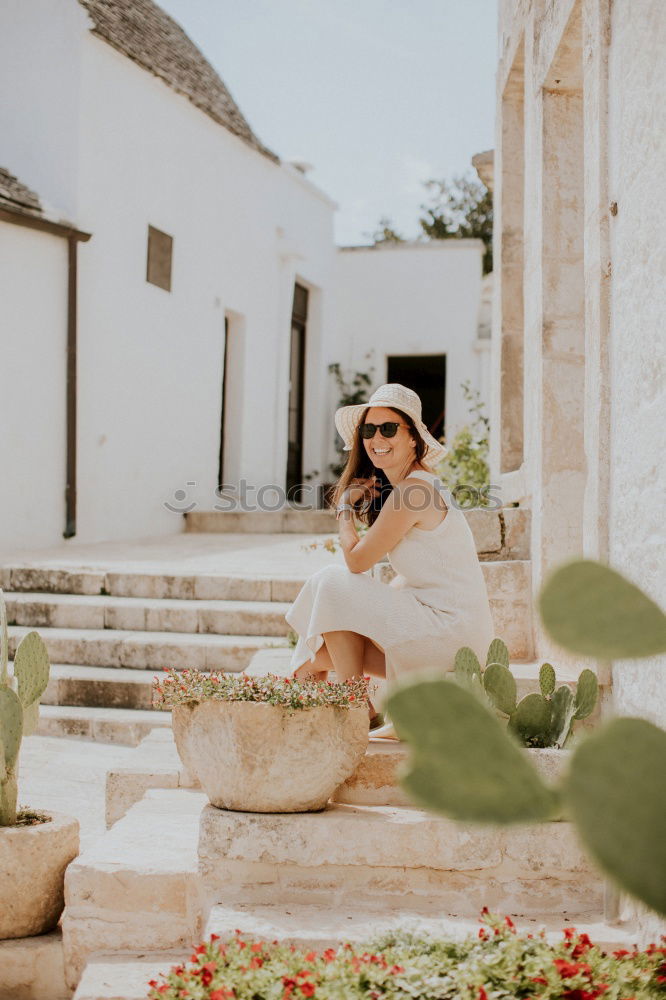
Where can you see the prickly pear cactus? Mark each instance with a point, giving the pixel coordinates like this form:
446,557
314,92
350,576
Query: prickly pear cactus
467,671
500,686
586,694
19,707
547,679
498,652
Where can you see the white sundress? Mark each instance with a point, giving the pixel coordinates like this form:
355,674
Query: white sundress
439,595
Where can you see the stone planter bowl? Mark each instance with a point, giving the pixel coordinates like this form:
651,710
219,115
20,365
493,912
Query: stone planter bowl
255,757
33,860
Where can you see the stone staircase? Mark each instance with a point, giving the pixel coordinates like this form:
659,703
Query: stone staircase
172,870
110,623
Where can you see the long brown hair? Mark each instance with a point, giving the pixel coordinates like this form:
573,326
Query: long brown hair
359,466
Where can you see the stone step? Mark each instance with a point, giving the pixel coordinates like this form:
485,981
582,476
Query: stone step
146,614
145,650
149,882
82,686
392,858
501,534
308,927
124,726
141,602
137,887
33,968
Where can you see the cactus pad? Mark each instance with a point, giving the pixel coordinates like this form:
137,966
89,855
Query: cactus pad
561,716
498,653
11,725
547,679
591,609
615,794
462,762
4,640
500,685
531,720
586,694
31,668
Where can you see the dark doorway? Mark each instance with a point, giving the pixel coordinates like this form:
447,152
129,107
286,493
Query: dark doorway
299,316
426,375
225,364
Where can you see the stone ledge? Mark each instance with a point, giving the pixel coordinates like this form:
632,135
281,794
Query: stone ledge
33,968
138,885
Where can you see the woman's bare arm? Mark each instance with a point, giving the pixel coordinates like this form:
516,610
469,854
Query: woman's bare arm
394,521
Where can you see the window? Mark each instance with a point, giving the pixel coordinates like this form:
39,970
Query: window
160,247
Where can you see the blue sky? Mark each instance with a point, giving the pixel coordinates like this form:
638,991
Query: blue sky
379,95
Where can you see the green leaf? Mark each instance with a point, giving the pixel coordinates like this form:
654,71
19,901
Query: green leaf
498,653
547,679
591,609
463,763
500,685
615,791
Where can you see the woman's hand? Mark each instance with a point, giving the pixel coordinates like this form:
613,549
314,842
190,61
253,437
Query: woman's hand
361,489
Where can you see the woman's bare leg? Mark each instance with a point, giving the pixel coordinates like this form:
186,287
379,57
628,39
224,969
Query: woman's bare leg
346,649
374,660
317,669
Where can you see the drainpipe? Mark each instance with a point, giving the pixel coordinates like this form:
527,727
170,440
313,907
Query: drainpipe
70,480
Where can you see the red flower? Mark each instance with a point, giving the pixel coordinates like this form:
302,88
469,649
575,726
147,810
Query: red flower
583,944
215,937
257,946
395,969
308,989
569,969
622,953
569,933
483,933
222,994
256,962
539,979
481,995
311,956
329,955
509,923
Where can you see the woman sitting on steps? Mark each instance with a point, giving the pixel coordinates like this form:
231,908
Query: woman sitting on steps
355,625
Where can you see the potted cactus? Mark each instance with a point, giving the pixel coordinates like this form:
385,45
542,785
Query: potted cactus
35,847
539,720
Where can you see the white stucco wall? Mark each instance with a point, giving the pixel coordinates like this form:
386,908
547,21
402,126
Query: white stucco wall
33,321
135,153
637,134
410,300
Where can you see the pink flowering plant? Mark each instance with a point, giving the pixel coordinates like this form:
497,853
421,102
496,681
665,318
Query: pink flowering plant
176,687
497,964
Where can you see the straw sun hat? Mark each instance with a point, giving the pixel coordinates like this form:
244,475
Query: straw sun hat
400,398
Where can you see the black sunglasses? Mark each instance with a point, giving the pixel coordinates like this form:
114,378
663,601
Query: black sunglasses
388,429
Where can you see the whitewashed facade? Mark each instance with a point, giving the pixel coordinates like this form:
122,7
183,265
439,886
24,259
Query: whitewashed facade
116,149
414,301
115,123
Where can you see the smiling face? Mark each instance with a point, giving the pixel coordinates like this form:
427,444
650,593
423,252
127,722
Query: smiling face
393,455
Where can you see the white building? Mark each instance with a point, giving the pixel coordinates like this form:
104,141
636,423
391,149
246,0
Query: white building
208,297
415,309
127,129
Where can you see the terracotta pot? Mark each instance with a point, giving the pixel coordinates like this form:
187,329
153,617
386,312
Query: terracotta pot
33,860
254,757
